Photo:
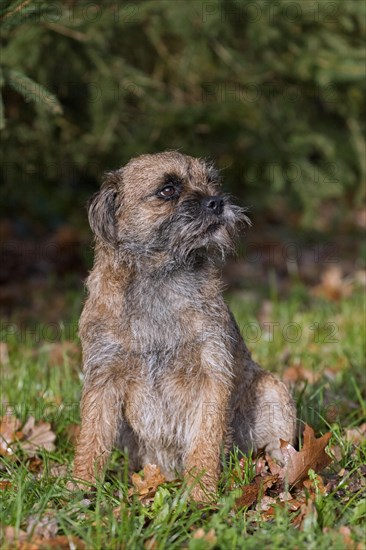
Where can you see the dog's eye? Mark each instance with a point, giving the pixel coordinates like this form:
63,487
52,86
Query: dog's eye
167,192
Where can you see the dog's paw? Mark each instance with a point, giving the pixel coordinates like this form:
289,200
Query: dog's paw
273,449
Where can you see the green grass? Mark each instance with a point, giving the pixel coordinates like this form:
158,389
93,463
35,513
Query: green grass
330,343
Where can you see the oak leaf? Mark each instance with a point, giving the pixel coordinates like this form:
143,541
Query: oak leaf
9,433
37,436
297,372
356,435
298,463
145,487
253,490
306,520
20,540
333,286
32,437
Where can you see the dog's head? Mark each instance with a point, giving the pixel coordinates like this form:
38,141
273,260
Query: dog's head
167,204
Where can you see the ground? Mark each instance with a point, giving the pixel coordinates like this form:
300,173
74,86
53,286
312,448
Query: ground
313,339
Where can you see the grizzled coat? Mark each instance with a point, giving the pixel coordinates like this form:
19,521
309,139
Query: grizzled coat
167,374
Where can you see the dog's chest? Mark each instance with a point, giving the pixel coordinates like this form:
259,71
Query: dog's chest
164,412
161,323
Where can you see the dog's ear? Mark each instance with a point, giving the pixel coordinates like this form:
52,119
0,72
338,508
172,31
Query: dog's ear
102,210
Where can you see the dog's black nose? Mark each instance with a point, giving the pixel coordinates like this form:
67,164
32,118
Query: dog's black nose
215,204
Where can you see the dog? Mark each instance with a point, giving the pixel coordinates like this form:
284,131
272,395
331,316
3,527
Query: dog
167,375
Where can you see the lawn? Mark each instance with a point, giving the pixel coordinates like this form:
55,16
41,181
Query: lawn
316,344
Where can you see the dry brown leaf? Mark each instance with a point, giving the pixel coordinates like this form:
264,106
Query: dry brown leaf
12,535
60,542
298,463
307,515
57,351
285,496
37,436
295,503
265,503
249,495
32,437
145,487
35,464
9,433
332,285
209,537
268,514
297,372
346,532
356,435
199,533
4,485
45,527
314,486
261,466
253,490
336,452
20,540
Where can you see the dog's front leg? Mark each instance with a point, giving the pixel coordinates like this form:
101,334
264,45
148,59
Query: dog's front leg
202,460
101,407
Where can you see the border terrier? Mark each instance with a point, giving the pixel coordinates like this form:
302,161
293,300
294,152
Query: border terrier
167,375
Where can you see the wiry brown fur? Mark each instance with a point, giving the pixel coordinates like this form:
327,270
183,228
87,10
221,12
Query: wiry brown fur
167,374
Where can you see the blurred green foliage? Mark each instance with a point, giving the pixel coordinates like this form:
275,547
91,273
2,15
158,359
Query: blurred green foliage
272,91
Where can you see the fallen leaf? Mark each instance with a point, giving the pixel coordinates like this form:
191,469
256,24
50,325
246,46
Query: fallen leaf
209,537
261,466
268,514
249,495
9,433
253,490
146,486
199,533
356,435
315,486
297,372
37,436
265,503
59,351
332,285
60,542
32,437
20,540
35,464
336,452
45,527
4,485
12,535
295,503
298,463
308,516
285,496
